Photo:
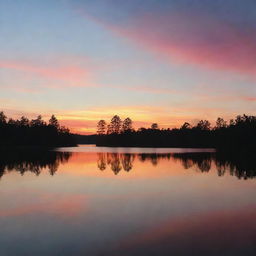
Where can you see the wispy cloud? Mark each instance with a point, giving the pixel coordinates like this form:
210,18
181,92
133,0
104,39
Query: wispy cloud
69,74
252,99
194,35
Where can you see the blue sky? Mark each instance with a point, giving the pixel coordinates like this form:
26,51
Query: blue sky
155,61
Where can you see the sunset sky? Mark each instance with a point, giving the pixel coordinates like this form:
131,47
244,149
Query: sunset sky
164,61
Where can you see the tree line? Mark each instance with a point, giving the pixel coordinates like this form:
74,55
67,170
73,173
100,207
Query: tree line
239,132
116,126
35,132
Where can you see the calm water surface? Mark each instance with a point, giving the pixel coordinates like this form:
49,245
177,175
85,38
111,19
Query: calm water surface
123,201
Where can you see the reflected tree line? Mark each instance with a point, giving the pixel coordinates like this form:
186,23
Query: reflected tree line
23,161
117,162
242,168
238,133
122,161
38,161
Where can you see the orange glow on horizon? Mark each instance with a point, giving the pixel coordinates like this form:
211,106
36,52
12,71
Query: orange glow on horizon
85,121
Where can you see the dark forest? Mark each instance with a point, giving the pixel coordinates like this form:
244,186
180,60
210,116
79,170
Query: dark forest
238,133
35,132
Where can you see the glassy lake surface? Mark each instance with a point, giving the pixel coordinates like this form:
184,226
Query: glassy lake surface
123,201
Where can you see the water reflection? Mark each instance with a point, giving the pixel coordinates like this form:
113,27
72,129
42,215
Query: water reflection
241,167
32,161
117,162
121,203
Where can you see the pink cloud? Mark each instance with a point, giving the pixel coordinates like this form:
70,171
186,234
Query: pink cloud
252,99
193,39
70,74
153,90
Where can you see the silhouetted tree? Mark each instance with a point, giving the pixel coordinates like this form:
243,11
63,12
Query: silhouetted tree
231,122
64,129
38,122
204,125
12,121
36,132
186,125
239,134
220,123
2,118
115,124
101,127
127,125
54,122
24,121
154,126
109,129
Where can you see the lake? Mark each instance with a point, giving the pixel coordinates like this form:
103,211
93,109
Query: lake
127,201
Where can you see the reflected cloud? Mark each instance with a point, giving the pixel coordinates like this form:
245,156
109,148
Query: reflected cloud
67,206
203,234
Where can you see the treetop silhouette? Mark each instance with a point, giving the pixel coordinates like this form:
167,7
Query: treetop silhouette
35,132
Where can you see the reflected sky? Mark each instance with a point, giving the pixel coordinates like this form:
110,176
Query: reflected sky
156,204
